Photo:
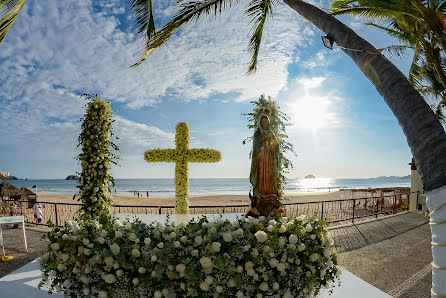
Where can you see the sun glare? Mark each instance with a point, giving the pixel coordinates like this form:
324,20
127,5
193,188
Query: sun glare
311,112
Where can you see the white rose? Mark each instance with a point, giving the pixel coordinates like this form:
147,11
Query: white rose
65,236
206,262
86,291
132,236
255,252
58,288
281,267
261,236
301,247
314,257
329,263
85,241
231,283
239,294
142,270
135,281
119,273
54,246
128,226
154,258
181,268
85,279
323,272
249,265
118,234
216,246
147,241
327,252
309,228
117,224
115,248
338,272
101,240
135,252
219,289
204,286
65,257
183,239
276,285
293,239
67,283
264,286
227,237
108,261
194,253
176,244
273,262
61,267
209,280
239,269
198,240
282,242
313,236
109,278
282,229
160,245
103,233
102,294
272,222
270,228
158,294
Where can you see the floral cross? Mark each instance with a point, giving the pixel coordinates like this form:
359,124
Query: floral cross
182,155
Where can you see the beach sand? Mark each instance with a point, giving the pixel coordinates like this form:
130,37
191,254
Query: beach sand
207,200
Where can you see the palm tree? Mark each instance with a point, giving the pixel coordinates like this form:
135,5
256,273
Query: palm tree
418,25
9,11
424,133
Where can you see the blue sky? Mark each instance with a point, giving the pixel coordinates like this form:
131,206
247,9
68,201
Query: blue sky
58,50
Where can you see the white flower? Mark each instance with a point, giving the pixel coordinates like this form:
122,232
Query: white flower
147,241
301,247
272,222
119,273
85,241
153,258
209,280
117,224
183,239
103,233
270,228
176,244
287,295
65,236
313,236
227,237
204,286
327,252
58,288
254,252
115,248
329,263
239,269
85,279
314,257
323,272
61,267
128,226
132,237
239,294
109,261
67,283
206,262
101,240
293,239
282,229
264,286
102,294
86,291
231,283
273,262
219,289
239,232
157,294
109,278
181,268
281,267
216,246
338,272
160,245
276,285
282,242
173,235
142,270
198,240
261,236
135,281
246,247
65,257
54,246
118,234
309,228
135,252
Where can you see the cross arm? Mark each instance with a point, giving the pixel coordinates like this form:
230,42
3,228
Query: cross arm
203,155
160,155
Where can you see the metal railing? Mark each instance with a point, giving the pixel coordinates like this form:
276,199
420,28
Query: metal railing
332,212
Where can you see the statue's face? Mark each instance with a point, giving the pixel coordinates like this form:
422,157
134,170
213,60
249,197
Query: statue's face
264,123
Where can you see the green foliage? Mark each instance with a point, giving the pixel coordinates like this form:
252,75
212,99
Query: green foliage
97,154
417,25
9,11
278,123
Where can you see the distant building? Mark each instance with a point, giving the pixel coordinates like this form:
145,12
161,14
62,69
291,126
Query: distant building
5,174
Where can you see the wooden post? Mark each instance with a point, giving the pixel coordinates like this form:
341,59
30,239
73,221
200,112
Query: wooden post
353,217
55,211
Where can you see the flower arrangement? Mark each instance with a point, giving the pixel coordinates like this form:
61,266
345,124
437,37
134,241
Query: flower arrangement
95,158
182,155
262,257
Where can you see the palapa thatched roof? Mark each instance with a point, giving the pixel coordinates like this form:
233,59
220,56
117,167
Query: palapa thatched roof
9,190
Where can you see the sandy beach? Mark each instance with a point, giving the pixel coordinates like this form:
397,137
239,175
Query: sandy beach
208,200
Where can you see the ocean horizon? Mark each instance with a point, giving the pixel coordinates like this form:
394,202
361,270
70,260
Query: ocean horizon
213,186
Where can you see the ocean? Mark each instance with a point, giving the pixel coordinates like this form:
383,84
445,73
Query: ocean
211,186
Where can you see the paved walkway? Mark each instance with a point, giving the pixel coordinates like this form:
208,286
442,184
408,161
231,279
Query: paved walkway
391,253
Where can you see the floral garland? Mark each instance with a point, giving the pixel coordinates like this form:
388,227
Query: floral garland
95,159
247,257
182,155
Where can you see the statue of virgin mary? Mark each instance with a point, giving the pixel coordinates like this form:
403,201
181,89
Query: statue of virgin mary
264,171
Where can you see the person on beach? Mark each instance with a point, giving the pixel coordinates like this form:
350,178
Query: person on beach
37,210
147,193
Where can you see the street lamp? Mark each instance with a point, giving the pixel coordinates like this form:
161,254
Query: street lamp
328,42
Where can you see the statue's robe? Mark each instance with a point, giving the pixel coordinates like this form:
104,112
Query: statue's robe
265,172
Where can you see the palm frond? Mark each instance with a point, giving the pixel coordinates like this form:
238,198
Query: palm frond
10,10
400,35
416,72
189,11
396,51
258,11
143,18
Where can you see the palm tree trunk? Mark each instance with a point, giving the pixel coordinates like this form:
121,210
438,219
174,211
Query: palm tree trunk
424,133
